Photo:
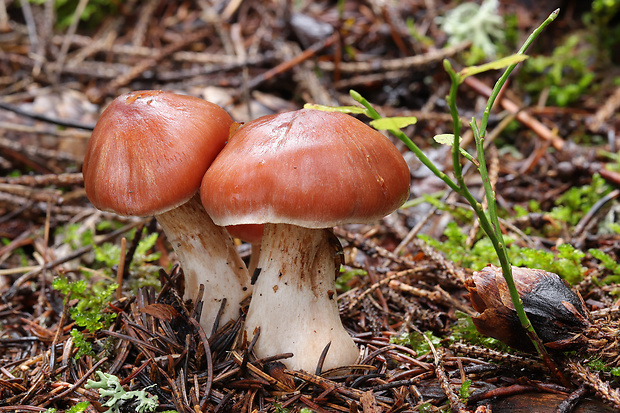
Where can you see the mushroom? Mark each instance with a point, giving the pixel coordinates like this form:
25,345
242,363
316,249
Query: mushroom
301,173
252,234
147,156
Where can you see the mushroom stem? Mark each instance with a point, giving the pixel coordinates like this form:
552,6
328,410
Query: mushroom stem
294,299
253,264
208,256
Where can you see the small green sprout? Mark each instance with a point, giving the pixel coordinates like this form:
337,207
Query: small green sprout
109,386
464,391
85,348
487,217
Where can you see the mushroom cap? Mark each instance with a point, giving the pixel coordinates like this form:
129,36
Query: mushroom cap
308,168
149,151
252,233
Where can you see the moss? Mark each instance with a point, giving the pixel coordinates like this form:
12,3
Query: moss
416,342
573,204
89,311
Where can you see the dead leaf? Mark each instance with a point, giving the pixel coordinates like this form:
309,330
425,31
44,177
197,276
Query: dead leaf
160,311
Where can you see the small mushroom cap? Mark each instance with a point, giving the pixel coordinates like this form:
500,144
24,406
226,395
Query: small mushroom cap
308,168
149,151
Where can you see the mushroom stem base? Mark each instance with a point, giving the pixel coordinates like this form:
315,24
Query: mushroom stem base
294,299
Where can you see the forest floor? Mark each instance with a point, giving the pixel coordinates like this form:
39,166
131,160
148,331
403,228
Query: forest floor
553,161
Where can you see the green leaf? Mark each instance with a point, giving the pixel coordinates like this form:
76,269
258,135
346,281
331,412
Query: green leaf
394,123
448,139
343,109
494,65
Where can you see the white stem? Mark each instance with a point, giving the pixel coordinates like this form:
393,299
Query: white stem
254,258
294,299
209,257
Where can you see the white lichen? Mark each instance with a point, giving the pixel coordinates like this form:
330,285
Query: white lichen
478,23
110,386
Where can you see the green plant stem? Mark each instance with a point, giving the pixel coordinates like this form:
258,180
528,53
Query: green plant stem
479,134
489,220
496,236
502,80
456,123
373,114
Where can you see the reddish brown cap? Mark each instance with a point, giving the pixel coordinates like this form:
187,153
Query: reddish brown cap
252,233
308,168
150,150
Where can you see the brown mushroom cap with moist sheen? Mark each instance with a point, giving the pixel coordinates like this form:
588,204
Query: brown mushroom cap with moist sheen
309,168
149,151
300,173
147,156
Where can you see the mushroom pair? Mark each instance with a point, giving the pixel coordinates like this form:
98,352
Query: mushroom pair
147,156
300,173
